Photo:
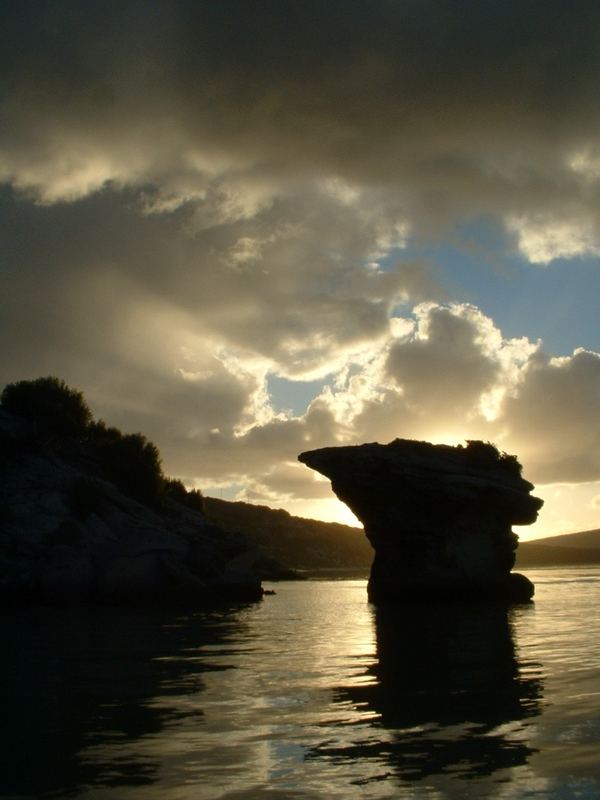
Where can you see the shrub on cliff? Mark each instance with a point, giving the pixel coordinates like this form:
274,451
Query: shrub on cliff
60,413
485,453
53,406
130,460
193,498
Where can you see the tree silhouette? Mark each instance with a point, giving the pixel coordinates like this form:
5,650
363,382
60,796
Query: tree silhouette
52,405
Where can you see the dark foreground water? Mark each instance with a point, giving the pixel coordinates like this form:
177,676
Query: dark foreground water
309,694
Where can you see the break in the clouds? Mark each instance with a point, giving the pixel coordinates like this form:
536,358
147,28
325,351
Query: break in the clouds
199,196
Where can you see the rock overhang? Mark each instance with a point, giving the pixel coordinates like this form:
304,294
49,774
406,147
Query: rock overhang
439,517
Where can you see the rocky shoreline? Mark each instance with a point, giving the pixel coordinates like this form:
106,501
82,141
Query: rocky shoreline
69,536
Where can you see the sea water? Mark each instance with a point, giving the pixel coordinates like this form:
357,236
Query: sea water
311,693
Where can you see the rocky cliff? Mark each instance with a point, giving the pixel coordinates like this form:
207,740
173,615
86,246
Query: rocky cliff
70,536
438,517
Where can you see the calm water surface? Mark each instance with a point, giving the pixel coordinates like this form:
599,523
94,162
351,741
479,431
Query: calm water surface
310,694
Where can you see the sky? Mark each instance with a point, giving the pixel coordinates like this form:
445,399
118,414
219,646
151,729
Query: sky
253,229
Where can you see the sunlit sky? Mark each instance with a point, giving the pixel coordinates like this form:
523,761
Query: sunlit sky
253,229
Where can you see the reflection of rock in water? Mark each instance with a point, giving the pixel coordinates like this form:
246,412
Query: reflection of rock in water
448,694
82,679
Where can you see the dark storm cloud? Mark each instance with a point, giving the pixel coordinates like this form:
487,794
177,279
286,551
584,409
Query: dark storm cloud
289,284
470,107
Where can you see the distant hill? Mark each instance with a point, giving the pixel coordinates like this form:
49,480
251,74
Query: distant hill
581,539
314,547
297,543
567,549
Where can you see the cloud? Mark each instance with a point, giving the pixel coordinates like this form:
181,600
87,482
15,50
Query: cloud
295,285
443,369
285,482
553,417
542,240
443,375
492,110
435,381
453,376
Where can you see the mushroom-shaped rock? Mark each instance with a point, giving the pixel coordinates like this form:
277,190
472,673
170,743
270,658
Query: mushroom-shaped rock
439,517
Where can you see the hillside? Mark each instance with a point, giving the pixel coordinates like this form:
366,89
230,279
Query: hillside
296,543
567,549
585,539
314,547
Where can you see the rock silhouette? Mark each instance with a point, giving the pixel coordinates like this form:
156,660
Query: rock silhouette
438,517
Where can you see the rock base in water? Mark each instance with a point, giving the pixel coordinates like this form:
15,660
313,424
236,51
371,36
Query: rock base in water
516,588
